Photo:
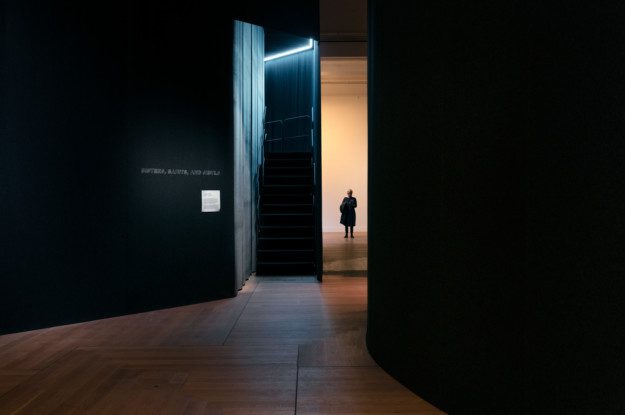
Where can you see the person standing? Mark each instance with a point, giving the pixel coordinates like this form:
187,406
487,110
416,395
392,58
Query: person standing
348,212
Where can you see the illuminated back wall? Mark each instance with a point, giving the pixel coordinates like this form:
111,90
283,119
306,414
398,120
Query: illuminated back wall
344,151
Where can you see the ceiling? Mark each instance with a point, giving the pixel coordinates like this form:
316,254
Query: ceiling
343,28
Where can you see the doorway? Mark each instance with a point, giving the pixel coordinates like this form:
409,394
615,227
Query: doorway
343,50
277,154
344,154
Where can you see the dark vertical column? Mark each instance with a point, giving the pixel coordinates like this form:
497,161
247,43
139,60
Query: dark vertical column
248,91
242,127
316,119
258,132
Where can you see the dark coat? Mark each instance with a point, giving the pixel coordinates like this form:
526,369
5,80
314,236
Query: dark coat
348,211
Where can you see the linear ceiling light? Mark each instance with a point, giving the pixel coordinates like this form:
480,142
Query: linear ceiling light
290,51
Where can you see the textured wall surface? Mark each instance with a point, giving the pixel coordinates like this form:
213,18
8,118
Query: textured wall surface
249,108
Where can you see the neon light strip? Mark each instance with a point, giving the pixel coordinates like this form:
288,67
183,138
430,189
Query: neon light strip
290,52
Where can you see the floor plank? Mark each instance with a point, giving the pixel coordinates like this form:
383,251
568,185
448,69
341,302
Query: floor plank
355,390
245,390
345,349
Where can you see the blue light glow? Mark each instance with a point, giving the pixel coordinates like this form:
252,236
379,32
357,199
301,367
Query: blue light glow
290,51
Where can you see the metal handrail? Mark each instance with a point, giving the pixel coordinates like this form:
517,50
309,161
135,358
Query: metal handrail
296,118
282,123
295,136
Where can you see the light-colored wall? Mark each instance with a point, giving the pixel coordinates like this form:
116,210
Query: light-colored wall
344,151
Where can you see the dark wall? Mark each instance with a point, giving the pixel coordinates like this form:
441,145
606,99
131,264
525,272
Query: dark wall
300,17
574,302
179,117
494,182
278,42
65,190
94,94
290,82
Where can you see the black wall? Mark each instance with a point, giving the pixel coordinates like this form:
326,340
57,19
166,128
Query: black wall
290,84
299,17
93,94
179,117
495,182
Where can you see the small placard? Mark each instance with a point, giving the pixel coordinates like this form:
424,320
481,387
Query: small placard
211,201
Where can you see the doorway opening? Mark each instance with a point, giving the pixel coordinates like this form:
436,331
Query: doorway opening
344,154
343,49
277,154
283,86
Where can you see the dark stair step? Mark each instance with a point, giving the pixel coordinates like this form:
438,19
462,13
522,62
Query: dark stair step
286,231
286,219
291,163
287,169
290,179
286,243
286,255
286,189
288,155
286,208
286,198
281,242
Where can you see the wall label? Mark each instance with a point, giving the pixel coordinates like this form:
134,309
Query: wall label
211,200
179,172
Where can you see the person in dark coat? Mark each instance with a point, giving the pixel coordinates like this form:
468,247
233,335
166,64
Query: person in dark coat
348,212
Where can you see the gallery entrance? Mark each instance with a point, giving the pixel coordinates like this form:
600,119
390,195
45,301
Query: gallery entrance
345,152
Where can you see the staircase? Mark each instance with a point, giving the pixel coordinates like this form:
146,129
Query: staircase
286,237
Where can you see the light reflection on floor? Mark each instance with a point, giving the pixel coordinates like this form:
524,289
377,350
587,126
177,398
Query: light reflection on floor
342,255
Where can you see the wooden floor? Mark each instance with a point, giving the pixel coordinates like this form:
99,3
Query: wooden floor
280,347
345,255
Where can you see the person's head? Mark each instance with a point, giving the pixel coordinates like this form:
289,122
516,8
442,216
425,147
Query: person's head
349,192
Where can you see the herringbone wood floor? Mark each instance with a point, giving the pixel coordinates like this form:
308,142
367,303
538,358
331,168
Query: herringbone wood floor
280,347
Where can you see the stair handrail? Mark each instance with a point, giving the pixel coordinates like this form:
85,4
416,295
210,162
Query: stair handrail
298,117
282,124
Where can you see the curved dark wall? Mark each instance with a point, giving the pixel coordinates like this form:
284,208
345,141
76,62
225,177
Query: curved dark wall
495,182
92,93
